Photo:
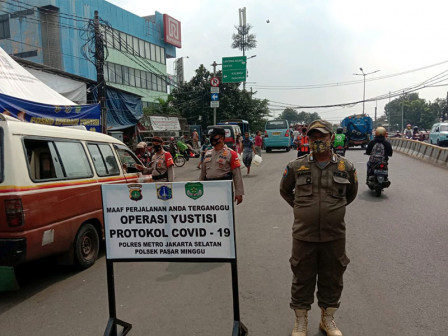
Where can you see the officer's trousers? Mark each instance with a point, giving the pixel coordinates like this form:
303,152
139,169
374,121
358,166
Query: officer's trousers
321,262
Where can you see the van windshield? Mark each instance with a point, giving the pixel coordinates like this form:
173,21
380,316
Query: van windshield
276,124
444,128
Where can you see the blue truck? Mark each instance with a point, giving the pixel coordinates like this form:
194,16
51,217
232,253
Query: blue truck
358,129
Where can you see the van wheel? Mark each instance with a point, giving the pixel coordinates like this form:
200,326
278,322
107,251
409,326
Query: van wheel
87,246
288,149
268,150
438,142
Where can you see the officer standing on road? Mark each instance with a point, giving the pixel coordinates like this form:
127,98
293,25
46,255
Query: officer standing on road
161,165
222,163
318,186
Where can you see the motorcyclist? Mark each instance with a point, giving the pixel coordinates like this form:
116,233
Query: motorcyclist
340,140
407,133
415,133
372,150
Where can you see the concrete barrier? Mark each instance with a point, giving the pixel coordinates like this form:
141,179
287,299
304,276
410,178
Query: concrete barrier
421,150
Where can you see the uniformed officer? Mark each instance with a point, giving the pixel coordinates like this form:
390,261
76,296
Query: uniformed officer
318,186
161,165
222,163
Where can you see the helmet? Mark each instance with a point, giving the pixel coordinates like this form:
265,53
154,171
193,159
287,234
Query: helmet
415,128
408,125
339,130
141,144
380,131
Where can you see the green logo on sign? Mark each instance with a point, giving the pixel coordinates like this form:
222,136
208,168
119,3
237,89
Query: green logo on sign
194,190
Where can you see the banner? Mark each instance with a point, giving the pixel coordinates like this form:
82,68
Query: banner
169,220
164,123
56,115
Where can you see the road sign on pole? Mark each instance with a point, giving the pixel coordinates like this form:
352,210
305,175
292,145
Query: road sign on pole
214,81
214,104
234,69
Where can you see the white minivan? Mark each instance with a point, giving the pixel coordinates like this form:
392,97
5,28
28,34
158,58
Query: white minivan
439,134
50,195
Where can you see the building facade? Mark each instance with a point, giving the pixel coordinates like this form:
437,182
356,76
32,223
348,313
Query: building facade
61,34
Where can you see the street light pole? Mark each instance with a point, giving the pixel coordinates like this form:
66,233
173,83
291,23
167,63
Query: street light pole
364,89
244,83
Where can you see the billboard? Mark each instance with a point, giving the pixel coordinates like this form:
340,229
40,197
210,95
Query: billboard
172,31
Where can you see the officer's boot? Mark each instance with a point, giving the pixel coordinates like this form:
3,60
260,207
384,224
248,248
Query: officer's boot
301,323
327,322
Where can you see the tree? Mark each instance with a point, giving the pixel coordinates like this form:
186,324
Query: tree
410,109
243,40
164,108
289,114
306,118
192,100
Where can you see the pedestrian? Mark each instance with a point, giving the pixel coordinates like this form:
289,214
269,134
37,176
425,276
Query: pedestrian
161,166
258,142
205,147
239,144
222,163
318,186
248,149
303,143
195,138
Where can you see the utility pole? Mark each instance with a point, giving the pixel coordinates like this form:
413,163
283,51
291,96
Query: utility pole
376,107
242,17
214,64
99,64
364,90
402,106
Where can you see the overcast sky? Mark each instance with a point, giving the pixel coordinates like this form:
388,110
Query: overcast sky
313,43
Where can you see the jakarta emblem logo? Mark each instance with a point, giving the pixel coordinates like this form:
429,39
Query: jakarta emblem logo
135,192
194,190
164,192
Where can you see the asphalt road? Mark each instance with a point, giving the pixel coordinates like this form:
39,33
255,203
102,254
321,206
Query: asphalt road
395,284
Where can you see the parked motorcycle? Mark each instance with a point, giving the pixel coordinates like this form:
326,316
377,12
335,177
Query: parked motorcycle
379,180
339,150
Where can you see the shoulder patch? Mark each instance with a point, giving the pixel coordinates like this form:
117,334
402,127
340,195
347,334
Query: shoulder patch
285,172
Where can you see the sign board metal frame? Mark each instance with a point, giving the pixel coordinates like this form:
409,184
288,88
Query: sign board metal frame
239,329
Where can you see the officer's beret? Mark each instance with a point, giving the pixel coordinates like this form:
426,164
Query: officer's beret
217,131
320,125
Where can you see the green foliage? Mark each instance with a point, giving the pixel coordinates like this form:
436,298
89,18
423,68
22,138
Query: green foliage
410,109
192,100
243,40
306,118
164,107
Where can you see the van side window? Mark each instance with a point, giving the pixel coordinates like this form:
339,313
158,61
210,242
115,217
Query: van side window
74,159
103,159
49,159
127,158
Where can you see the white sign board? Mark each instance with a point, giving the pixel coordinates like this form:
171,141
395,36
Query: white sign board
191,220
214,103
164,123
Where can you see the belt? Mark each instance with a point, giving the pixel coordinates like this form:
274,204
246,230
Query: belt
227,176
159,177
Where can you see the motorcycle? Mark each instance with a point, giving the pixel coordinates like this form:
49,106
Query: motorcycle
379,180
178,159
340,150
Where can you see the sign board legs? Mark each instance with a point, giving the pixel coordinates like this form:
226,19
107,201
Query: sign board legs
239,329
111,328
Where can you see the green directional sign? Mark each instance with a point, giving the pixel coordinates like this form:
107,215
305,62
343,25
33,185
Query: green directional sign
234,69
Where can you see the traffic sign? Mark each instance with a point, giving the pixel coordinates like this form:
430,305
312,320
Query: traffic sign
234,69
214,103
215,97
214,81
214,89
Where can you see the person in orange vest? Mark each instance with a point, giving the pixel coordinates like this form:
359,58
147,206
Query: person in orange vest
303,143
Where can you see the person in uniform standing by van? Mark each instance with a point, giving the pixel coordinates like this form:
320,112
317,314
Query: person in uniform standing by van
303,143
318,186
222,163
161,166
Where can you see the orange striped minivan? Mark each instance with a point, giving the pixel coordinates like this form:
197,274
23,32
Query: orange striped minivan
50,195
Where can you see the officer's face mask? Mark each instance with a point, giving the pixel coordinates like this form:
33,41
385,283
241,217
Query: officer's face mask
214,141
157,148
320,146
